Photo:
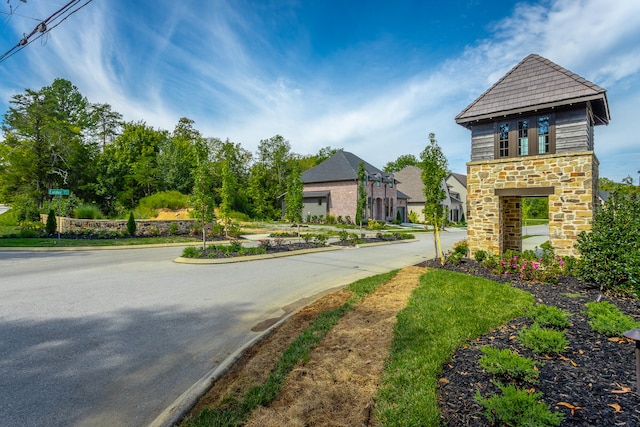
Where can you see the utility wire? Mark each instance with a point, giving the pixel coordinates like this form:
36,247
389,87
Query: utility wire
45,26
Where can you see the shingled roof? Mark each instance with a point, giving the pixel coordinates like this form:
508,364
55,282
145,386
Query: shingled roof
342,166
534,84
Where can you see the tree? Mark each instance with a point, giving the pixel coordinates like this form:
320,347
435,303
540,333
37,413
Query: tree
44,143
361,204
400,163
226,195
178,156
268,178
229,155
106,123
52,225
434,171
293,199
202,197
131,225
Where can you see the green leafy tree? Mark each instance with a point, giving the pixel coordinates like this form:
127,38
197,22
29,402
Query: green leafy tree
179,155
128,167
106,123
400,163
227,190
293,199
361,204
624,187
610,252
230,158
268,178
44,144
202,198
434,171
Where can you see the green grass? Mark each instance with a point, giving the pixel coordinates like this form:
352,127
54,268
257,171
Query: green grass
70,243
535,221
445,311
236,411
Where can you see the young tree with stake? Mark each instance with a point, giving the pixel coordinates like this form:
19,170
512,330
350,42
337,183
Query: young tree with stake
434,171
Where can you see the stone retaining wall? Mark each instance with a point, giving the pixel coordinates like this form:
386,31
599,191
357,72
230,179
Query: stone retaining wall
144,227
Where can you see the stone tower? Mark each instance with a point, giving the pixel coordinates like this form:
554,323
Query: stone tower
532,135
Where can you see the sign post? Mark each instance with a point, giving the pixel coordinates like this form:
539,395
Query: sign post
58,192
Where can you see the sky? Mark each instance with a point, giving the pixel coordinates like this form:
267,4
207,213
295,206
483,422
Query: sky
371,77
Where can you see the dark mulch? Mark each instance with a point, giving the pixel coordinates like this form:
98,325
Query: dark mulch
596,375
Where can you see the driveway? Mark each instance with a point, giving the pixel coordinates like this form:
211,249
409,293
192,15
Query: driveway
114,337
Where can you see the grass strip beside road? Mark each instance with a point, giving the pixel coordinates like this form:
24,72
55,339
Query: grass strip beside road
71,243
445,311
236,412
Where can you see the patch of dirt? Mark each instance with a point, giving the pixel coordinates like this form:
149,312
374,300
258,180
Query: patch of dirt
338,382
167,214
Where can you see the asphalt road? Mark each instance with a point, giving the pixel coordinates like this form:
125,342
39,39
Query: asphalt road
96,338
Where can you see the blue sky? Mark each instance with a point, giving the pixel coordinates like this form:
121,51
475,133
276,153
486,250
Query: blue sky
371,77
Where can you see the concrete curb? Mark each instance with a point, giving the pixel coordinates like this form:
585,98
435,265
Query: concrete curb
182,260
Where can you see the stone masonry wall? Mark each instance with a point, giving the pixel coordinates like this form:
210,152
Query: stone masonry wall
572,177
143,227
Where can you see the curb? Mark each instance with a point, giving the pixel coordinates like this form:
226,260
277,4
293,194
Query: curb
183,260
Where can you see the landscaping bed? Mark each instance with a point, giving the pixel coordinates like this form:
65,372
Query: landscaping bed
592,383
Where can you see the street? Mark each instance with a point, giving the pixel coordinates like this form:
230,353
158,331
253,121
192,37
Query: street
113,337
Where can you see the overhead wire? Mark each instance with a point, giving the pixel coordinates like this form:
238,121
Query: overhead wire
45,26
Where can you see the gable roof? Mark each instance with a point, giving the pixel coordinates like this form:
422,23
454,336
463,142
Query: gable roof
462,179
536,83
342,166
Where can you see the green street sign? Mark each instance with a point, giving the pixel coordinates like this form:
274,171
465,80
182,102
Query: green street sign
58,192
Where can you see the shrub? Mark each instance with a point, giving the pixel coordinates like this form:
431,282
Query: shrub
173,200
216,231
506,363
265,243
480,256
87,211
606,318
331,219
610,253
517,407
376,225
543,341
52,224
343,235
131,225
321,239
550,316
413,217
173,229
234,230
191,252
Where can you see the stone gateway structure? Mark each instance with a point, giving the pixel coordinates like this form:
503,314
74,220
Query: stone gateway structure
532,135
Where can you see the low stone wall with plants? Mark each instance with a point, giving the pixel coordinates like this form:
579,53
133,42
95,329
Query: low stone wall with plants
144,227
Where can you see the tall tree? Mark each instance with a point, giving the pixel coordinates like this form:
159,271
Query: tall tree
293,199
227,154
400,163
202,197
269,176
178,156
44,143
434,171
106,123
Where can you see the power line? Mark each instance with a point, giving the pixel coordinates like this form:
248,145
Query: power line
45,26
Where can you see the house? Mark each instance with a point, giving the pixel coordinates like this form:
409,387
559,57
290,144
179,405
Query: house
331,188
457,184
532,135
410,183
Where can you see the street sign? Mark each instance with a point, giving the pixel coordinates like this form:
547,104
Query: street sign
58,192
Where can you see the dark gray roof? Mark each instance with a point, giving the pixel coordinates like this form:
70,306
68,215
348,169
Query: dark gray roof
314,194
534,84
410,182
401,195
342,166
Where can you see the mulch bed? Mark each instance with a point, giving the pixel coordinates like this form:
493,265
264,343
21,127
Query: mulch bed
593,382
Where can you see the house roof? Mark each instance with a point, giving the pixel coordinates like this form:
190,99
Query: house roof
410,183
401,195
342,166
462,179
534,84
